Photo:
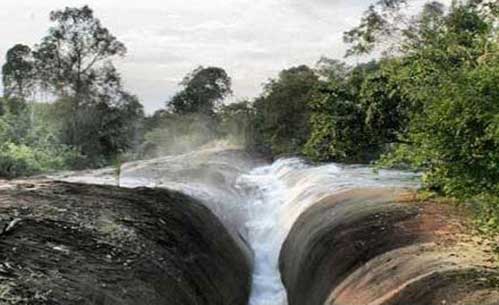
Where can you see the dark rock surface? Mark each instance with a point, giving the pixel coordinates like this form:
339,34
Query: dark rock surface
207,174
381,246
63,243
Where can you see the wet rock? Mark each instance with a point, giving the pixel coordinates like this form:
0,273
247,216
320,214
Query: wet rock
85,244
208,174
376,246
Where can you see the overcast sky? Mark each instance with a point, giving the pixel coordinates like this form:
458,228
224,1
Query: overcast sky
252,39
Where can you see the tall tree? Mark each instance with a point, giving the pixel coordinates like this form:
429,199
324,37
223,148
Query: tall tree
75,52
92,118
74,62
203,90
18,73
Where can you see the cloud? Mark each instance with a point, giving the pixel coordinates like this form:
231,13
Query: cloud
253,40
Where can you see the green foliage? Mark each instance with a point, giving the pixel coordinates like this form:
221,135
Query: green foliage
21,160
337,131
190,119
282,112
29,145
450,77
92,113
18,72
487,208
453,82
203,89
356,118
106,128
332,70
13,128
454,138
74,58
12,105
29,142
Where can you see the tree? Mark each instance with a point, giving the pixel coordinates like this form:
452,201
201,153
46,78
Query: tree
73,62
387,24
75,52
120,125
203,90
282,111
107,127
452,80
447,78
386,112
357,117
380,23
19,73
191,117
331,69
92,120
337,132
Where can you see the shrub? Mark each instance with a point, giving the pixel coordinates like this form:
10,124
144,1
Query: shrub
17,160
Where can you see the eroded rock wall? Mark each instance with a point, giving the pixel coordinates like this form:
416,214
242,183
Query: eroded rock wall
381,246
63,243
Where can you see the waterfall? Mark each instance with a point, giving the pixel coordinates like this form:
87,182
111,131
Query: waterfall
277,194
260,202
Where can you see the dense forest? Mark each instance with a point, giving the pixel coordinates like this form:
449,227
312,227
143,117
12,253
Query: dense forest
429,102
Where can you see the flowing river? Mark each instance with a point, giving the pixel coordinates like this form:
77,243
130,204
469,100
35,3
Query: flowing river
257,201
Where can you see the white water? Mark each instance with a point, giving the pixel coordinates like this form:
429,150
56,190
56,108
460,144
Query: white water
261,203
275,197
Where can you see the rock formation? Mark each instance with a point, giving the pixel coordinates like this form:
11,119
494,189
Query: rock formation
382,246
63,243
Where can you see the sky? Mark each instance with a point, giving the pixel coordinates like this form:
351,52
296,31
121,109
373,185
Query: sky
251,39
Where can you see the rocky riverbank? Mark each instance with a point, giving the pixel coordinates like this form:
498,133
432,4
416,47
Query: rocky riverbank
63,243
383,246
211,231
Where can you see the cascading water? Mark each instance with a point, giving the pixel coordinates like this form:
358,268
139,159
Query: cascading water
266,199
263,204
277,194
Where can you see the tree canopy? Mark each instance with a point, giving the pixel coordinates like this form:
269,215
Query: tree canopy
282,111
203,90
18,72
94,115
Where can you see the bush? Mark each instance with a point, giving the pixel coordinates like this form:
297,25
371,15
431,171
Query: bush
487,209
18,160
21,160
